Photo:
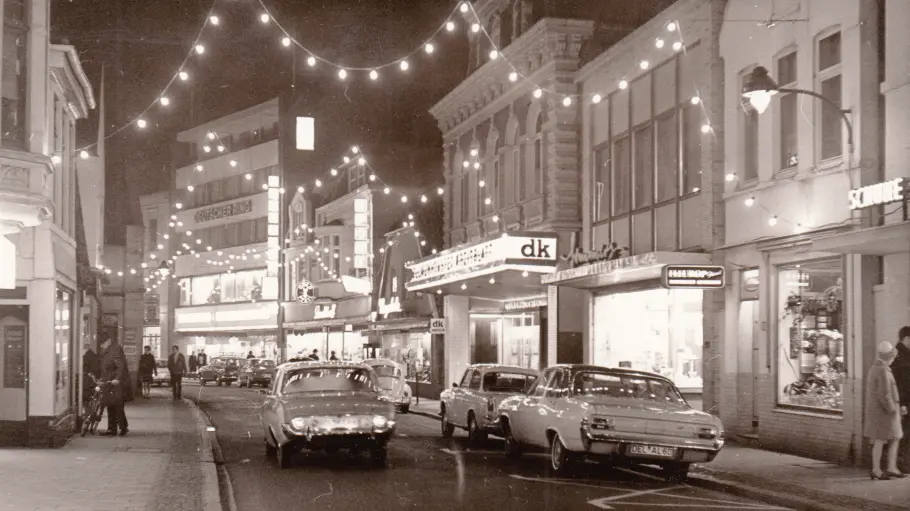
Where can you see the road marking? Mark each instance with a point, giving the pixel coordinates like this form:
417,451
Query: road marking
641,474
566,483
489,453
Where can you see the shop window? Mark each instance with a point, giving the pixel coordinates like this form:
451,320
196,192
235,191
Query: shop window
601,199
667,156
692,135
622,176
788,112
63,337
811,368
749,134
656,330
13,75
644,167
829,85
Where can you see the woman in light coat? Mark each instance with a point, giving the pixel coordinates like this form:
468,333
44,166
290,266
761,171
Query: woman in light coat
883,413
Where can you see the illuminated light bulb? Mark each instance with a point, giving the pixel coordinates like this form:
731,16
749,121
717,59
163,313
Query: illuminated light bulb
346,159
495,218
731,177
464,286
334,172
706,128
285,41
772,221
476,165
439,291
265,186
659,43
355,149
671,27
524,273
265,18
190,188
429,48
567,101
374,75
199,168
433,251
386,190
410,216
677,46
160,246
342,74
318,183
311,61
382,250
623,84
644,64
750,202
597,98
55,159
482,183
233,163
475,27
171,224
466,164
173,217
209,248
198,241
494,54
200,49
492,280
164,100
450,26
372,177
488,201
184,76
189,233
119,273
538,93
404,198
440,191
142,123
248,177
362,161
167,236
214,20
513,76
463,7
404,65
178,205
220,148
83,154
206,148
695,100
281,190
423,198
474,152
180,224
300,189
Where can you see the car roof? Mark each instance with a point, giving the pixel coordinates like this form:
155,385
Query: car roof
287,366
504,367
380,361
619,370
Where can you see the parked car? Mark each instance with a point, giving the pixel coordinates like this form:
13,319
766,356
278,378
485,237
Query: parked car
325,406
221,370
391,382
471,404
256,371
578,411
164,374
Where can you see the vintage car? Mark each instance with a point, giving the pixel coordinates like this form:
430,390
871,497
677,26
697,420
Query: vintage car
163,376
392,383
256,371
471,404
612,415
221,370
326,406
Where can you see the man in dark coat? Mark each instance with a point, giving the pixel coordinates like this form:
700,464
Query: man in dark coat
901,370
147,366
193,364
91,365
115,371
203,359
250,355
177,367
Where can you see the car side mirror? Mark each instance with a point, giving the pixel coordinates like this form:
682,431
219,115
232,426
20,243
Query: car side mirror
454,385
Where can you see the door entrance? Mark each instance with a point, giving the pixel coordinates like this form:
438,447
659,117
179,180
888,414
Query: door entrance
13,362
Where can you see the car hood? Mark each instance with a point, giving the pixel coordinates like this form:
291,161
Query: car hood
335,404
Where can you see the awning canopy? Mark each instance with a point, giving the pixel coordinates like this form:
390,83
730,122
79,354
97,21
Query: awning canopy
883,240
624,270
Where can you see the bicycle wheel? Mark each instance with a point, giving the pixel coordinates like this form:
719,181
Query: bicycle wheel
97,413
86,421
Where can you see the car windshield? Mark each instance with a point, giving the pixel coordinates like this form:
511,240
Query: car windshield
504,381
328,379
230,362
625,386
264,363
387,375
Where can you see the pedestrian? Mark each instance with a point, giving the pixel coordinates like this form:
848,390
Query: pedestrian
332,356
314,355
883,412
176,364
194,364
91,368
203,359
901,369
250,355
147,366
115,372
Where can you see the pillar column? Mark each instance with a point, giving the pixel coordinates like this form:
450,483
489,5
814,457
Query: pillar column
458,337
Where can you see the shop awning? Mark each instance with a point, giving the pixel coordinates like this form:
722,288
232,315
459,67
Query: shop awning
883,240
622,271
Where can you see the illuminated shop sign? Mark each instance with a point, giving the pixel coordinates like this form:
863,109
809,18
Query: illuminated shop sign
228,210
324,311
602,268
305,292
534,303
608,252
516,250
689,276
877,195
270,283
387,307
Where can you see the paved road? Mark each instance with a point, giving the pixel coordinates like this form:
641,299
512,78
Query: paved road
425,471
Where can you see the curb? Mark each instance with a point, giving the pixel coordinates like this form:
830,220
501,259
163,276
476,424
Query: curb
216,476
431,415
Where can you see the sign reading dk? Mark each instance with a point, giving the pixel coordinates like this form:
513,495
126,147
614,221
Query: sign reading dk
536,249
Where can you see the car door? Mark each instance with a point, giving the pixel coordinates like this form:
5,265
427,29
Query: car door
554,409
523,420
471,396
269,409
459,411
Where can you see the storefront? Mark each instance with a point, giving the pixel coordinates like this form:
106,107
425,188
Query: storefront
328,326
229,329
646,312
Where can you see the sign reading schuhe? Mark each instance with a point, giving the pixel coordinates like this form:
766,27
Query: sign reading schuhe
228,210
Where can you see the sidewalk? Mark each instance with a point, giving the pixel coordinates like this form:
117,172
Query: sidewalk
427,407
157,467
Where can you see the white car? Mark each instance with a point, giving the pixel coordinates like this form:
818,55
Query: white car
577,411
391,382
472,403
164,374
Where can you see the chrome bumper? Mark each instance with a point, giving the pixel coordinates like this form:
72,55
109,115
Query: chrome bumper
601,443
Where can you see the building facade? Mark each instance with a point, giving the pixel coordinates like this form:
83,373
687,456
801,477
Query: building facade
44,93
122,295
224,234
819,278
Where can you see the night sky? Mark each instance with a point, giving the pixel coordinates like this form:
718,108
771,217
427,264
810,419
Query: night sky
141,43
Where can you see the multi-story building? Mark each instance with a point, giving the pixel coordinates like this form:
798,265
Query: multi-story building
815,226
330,265
44,92
513,181
157,324
224,234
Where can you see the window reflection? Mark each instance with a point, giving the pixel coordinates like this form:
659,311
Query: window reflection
242,286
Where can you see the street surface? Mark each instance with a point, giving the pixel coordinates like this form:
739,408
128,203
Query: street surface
425,471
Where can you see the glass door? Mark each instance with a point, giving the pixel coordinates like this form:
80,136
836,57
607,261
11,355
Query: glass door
521,340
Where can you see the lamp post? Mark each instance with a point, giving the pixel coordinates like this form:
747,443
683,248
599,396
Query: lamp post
760,88
164,269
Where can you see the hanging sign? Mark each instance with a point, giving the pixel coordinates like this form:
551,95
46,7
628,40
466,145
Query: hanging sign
533,303
305,292
438,326
877,195
690,276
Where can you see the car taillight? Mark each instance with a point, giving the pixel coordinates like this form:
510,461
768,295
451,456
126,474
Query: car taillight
707,433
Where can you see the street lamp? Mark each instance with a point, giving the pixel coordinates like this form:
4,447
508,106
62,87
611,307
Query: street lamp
164,269
760,88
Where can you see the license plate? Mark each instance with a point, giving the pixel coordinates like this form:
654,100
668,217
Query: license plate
653,451
350,423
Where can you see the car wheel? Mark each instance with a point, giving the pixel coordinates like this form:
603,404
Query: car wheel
379,455
512,447
283,455
560,457
240,384
270,449
676,473
448,429
405,408
475,435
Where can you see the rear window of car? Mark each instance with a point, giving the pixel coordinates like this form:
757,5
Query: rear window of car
386,371
590,383
503,381
328,379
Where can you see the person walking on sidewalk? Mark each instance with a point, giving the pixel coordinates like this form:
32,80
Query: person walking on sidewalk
194,364
901,369
883,412
114,371
147,368
176,364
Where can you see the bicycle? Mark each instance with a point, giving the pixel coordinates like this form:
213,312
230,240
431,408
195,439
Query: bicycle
91,415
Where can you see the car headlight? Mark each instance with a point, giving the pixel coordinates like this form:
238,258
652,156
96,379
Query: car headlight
380,422
299,423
